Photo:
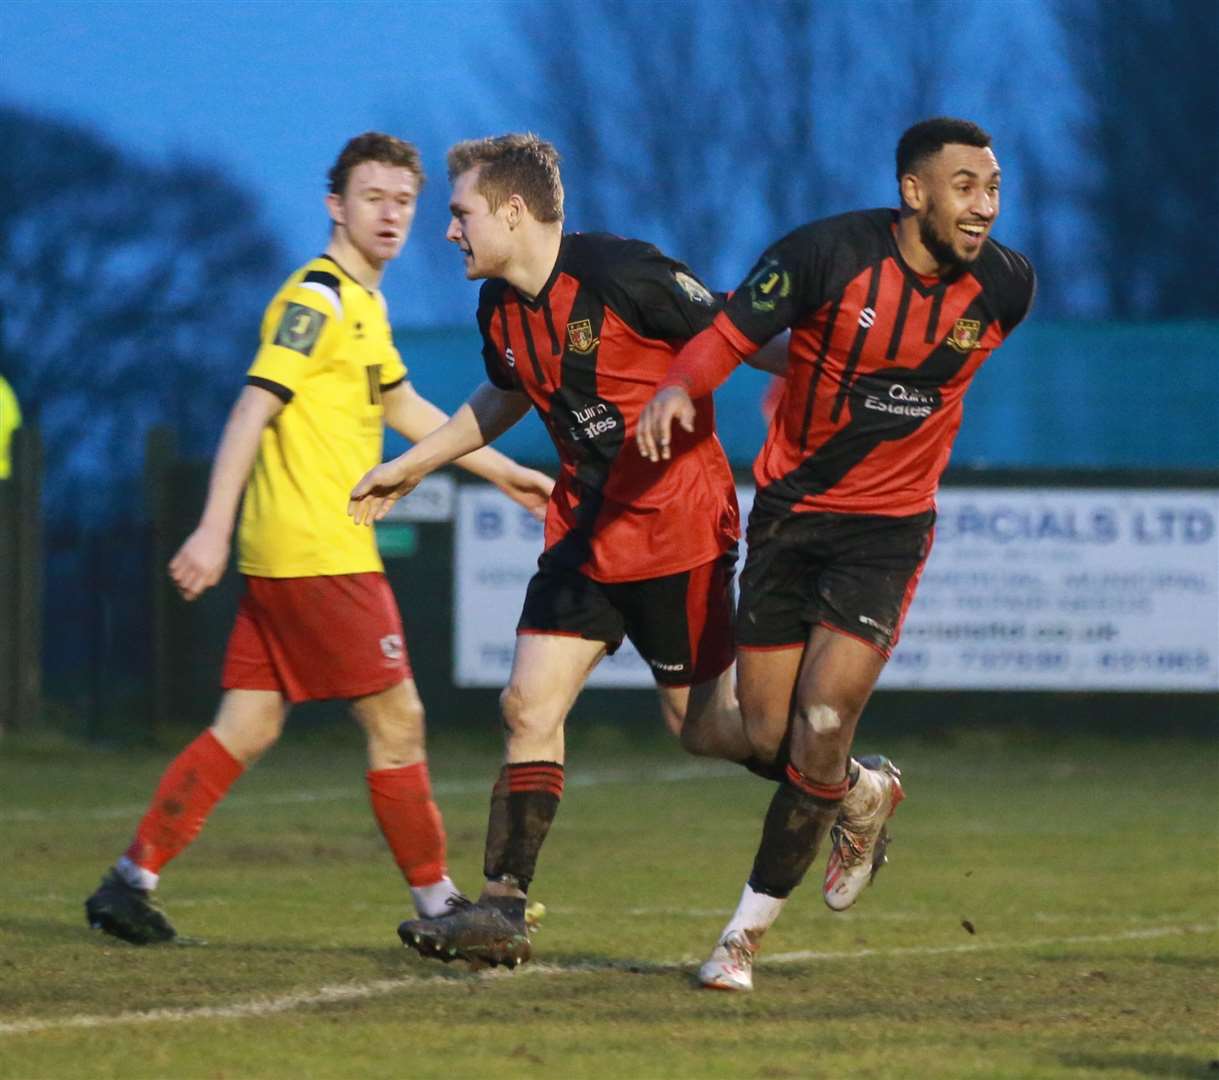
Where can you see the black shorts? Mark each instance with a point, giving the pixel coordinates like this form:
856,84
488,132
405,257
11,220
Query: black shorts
855,573
681,624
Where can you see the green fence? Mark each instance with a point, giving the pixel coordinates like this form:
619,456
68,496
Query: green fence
21,585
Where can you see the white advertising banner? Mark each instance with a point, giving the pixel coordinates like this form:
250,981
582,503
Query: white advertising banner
1066,589
1025,589
498,544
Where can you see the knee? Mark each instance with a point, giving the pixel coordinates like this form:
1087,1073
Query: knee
247,738
399,730
820,720
695,738
764,732
520,714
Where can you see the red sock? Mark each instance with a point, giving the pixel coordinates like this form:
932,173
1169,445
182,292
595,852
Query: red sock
410,821
830,792
195,781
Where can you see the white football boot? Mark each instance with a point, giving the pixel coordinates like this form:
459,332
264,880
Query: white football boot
730,965
859,837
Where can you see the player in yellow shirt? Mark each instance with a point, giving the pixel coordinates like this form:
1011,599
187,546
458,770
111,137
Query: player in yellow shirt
10,421
317,619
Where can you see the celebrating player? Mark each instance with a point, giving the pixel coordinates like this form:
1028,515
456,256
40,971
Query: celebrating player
317,619
581,327
891,314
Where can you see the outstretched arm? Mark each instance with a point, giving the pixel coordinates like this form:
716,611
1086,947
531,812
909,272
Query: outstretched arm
705,361
486,415
411,414
201,560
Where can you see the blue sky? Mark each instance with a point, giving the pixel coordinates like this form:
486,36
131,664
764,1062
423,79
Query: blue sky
268,90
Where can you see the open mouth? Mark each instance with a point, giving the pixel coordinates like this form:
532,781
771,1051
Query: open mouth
973,229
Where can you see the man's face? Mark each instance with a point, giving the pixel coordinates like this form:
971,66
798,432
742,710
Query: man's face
377,209
481,233
957,202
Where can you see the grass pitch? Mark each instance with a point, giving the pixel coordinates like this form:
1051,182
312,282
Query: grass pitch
1051,910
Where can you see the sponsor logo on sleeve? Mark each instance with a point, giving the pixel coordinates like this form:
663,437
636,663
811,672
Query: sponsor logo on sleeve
694,289
767,285
299,328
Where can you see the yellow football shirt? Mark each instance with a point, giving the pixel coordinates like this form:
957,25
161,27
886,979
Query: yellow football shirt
10,421
327,351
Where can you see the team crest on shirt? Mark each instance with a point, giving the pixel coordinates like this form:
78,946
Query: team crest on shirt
694,289
580,337
299,328
965,335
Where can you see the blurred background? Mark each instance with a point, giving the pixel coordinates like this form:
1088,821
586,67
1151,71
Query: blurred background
164,165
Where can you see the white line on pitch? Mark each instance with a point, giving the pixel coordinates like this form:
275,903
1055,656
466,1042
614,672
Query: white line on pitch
327,995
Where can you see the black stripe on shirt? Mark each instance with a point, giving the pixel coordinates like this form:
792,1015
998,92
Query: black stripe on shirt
278,389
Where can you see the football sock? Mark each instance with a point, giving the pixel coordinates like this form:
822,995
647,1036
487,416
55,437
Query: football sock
754,913
410,822
497,822
799,816
196,780
523,805
433,900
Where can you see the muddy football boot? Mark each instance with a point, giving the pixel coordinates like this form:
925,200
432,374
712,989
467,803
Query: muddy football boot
490,932
859,838
730,965
125,912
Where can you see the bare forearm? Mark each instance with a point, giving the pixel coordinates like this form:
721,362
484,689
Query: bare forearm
460,438
455,438
235,457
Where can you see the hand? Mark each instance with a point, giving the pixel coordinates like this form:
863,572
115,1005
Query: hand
200,562
652,434
379,489
530,488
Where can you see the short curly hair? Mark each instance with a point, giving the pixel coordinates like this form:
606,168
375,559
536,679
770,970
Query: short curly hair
929,137
374,146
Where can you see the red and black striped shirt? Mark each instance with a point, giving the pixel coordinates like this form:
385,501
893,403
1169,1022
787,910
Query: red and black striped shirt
589,351
880,358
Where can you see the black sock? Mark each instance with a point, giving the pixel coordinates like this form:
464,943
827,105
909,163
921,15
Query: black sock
796,823
523,805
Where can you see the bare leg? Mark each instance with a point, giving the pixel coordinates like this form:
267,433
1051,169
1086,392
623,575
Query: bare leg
548,672
707,717
767,686
836,676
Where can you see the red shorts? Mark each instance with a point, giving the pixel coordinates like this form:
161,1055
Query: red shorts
313,638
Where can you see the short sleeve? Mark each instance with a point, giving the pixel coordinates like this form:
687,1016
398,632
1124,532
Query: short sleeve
297,330
500,366
787,282
393,368
662,297
1019,293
